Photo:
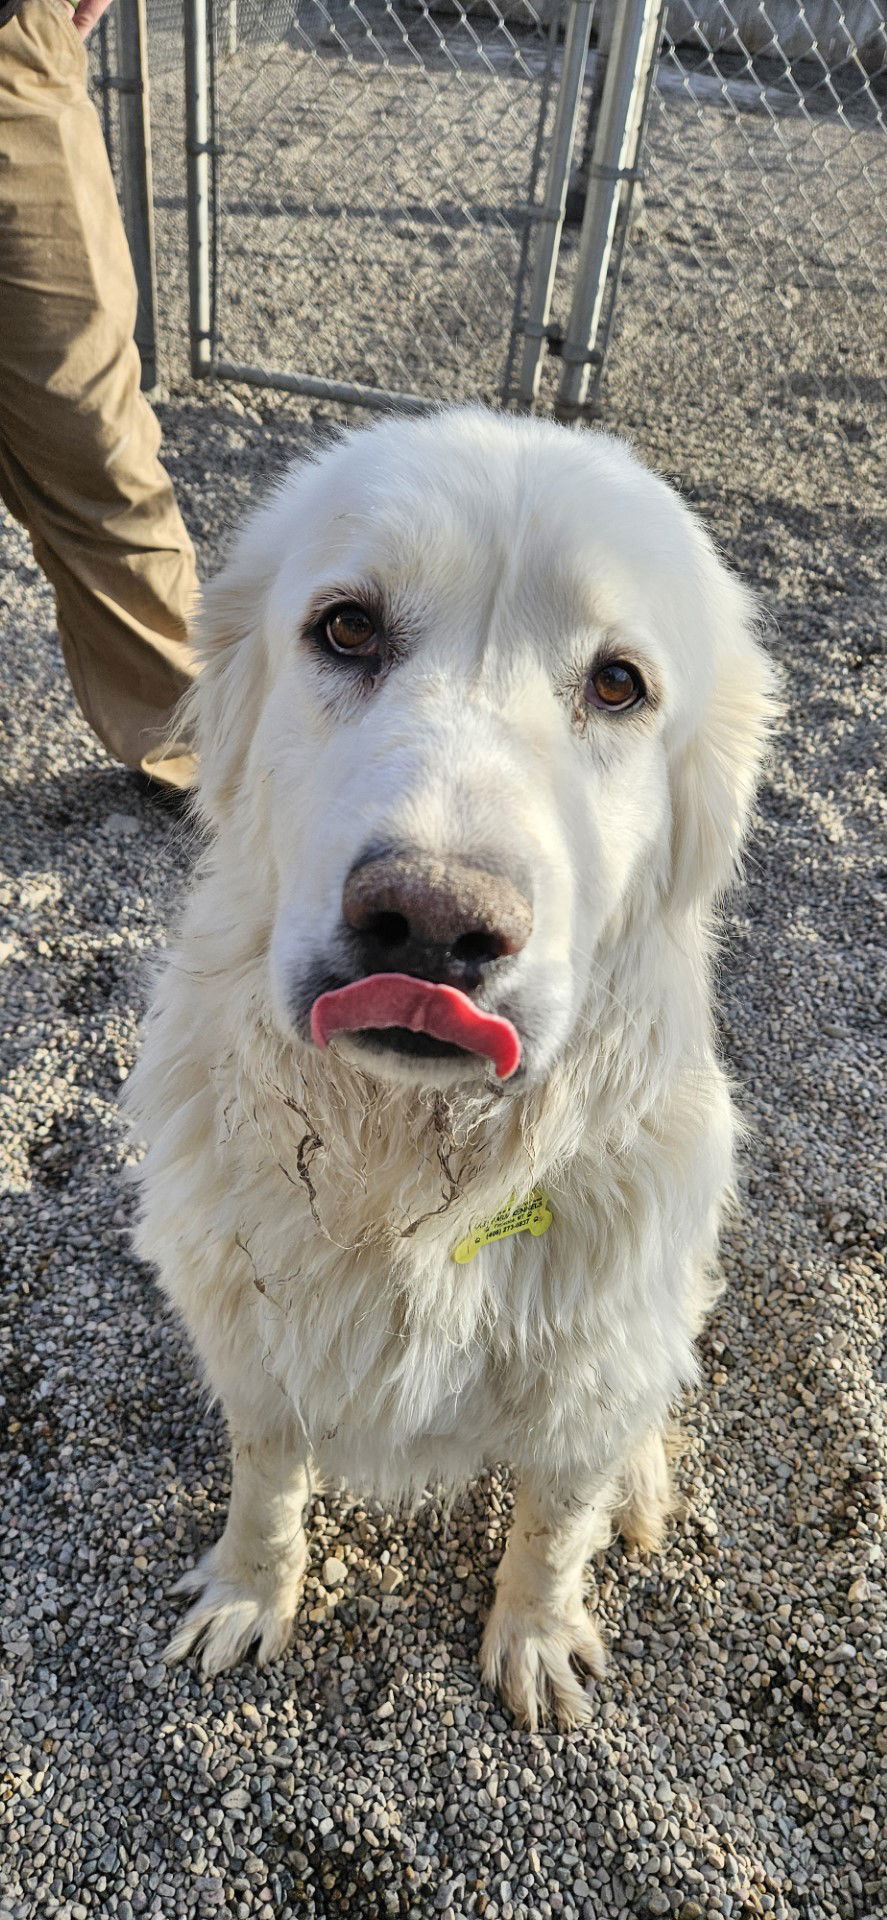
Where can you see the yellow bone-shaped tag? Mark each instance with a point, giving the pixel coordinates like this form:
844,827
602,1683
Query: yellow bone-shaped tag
532,1216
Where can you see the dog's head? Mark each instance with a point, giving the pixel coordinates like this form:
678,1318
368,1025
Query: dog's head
477,696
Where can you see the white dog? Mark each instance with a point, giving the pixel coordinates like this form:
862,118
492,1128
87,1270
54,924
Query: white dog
437,1142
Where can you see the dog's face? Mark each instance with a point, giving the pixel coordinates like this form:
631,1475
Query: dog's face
478,691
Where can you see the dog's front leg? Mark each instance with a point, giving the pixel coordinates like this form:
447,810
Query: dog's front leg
248,1585
540,1629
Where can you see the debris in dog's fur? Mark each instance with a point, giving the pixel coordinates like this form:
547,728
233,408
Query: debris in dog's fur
480,720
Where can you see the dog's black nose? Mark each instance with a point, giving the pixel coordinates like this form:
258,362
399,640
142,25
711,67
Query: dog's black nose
435,916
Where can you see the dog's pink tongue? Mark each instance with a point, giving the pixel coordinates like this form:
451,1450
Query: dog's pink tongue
399,1000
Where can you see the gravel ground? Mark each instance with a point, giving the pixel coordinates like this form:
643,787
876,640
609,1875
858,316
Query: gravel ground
737,1763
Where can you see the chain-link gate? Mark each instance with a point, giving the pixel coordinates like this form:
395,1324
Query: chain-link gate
360,183
403,201
409,201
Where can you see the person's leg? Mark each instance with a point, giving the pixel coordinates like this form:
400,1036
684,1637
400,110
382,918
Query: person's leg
78,440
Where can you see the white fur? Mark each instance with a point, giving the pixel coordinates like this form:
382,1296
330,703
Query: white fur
302,1208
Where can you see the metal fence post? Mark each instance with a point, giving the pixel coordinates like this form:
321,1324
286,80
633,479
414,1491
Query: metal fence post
105,83
199,148
623,221
550,215
136,177
632,52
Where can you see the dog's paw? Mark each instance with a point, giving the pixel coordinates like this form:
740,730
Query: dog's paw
236,1609
531,1657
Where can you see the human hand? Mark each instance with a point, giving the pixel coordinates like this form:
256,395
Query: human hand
88,14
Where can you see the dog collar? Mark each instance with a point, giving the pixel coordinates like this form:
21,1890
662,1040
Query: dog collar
529,1216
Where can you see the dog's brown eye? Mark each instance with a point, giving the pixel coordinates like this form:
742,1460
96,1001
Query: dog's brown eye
614,685
351,630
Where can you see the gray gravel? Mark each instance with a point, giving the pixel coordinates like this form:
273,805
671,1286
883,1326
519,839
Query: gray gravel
737,1763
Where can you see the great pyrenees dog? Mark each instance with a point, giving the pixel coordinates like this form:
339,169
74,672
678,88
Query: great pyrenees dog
437,1141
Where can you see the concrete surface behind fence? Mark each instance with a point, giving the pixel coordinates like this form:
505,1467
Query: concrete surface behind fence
797,28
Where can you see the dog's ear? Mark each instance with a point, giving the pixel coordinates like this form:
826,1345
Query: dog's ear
715,771
223,708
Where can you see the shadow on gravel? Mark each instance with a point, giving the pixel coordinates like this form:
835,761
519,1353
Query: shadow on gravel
40,812
368,1883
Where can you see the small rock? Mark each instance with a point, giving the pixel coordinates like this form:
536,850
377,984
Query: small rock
334,1571
236,1800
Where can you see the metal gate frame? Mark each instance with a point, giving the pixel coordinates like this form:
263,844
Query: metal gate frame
615,167
203,151
126,75
619,134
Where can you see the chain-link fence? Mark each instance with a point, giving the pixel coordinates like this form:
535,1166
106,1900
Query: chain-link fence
376,166
385,201
756,264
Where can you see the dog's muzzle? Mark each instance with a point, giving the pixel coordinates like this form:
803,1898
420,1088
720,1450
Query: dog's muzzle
425,934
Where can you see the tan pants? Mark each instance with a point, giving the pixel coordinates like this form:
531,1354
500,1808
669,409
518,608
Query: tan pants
78,441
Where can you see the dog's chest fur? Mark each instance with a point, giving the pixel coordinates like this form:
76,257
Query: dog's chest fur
335,1210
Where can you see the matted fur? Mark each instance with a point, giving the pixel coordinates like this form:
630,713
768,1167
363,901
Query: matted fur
302,1207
